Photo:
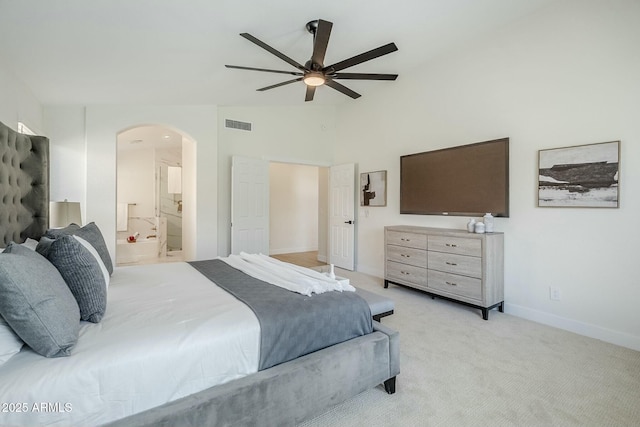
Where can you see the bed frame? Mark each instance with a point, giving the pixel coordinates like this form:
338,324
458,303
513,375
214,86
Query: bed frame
290,393
286,394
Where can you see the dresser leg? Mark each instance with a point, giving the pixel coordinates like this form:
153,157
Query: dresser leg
390,385
485,313
501,307
386,284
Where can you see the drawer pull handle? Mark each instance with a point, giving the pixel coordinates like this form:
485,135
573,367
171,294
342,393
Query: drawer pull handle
405,273
406,256
405,240
451,245
451,263
451,283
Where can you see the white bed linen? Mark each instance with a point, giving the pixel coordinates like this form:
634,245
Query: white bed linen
292,277
168,332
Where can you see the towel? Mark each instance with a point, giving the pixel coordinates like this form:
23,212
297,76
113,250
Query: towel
122,217
288,276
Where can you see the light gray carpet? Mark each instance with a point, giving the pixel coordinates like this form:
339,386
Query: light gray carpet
459,370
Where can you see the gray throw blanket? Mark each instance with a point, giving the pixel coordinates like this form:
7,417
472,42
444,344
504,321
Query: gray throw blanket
292,324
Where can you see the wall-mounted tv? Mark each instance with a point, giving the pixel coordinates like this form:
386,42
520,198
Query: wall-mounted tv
468,180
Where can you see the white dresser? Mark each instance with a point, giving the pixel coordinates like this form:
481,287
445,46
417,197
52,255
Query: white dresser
452,264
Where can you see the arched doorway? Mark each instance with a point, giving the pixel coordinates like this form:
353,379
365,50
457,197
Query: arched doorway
149,193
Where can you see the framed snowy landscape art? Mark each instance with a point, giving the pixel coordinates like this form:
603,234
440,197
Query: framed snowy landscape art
580,176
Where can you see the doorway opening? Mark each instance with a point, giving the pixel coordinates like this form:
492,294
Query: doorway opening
149,195
298,213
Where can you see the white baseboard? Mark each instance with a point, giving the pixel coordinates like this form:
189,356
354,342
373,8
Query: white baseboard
592,331
322,258
370,271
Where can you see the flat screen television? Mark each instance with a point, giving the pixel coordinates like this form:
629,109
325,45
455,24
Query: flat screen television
468,180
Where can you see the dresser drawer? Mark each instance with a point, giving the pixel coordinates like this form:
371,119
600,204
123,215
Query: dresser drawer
411,240
455,245
417,257
456,285
406,273
457,264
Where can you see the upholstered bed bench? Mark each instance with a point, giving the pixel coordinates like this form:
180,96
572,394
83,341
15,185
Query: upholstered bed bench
380,306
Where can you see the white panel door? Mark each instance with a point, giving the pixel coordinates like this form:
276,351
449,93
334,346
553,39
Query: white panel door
249,205
342,199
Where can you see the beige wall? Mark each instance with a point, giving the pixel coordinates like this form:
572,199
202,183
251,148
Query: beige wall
17,103
95,160
565,76
297,135
293,208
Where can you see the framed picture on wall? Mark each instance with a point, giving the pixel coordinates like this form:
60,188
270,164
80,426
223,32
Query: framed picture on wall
581,176
373,188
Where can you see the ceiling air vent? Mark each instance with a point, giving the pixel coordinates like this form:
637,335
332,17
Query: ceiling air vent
235,124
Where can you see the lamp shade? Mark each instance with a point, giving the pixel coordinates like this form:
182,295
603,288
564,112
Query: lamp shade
174,180
64,213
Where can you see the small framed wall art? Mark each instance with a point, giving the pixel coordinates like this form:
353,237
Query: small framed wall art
373,188
581,176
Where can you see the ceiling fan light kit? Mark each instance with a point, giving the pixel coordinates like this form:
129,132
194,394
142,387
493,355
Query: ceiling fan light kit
313,78
314,73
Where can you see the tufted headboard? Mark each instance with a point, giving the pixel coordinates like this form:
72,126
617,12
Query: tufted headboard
24,186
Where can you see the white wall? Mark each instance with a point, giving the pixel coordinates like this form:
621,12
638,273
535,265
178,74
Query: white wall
101,126
293,208
67,151
323,214
301,135
565,76
136,183
17,103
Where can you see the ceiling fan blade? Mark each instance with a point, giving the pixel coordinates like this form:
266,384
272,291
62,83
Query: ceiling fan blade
321,41
363,57
311,90
238,67
280,84
364,76
273,51
341,88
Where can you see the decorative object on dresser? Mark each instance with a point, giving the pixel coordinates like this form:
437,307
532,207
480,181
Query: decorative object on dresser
451,264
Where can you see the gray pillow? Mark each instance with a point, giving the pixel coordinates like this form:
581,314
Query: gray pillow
91,233
80,271
36,303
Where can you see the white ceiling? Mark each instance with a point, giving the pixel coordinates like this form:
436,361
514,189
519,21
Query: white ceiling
173,52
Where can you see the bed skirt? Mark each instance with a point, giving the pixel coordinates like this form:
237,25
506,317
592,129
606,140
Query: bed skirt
289,393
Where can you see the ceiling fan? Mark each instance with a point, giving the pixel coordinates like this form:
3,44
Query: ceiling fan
314,73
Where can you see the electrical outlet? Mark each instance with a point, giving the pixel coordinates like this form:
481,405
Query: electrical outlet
555,293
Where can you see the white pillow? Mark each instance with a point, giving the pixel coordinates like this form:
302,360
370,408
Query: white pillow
30,243
10,343
96,255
